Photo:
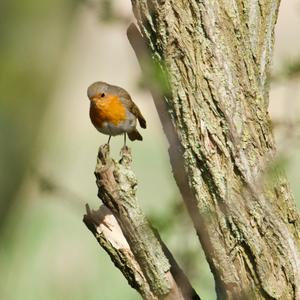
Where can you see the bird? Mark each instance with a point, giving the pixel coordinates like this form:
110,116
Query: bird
113,112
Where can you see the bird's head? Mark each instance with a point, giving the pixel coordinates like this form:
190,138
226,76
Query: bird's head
97,90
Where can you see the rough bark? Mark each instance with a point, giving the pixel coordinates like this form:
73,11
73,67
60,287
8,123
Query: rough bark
216,57
122,229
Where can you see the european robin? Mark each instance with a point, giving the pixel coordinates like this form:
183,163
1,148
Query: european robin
113,112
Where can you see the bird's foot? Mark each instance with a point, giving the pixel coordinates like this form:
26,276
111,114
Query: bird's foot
104,147
103,152
125,148
125,154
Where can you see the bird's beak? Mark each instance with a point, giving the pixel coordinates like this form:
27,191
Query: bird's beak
94,98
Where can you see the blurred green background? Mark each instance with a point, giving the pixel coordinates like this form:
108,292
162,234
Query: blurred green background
50,51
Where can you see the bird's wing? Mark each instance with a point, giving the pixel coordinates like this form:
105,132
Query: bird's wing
125,97
135,110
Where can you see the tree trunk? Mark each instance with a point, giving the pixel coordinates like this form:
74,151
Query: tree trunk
216,56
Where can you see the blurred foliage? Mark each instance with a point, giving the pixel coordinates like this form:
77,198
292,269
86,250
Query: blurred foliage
32,36
107,11
165,222
47,185
176,229
275,170
290,70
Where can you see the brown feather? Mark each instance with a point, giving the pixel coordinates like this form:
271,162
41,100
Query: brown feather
134,135
135,110
131,106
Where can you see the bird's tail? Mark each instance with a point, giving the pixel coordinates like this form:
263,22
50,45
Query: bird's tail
134,135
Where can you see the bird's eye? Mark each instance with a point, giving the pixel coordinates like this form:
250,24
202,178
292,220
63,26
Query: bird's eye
102,95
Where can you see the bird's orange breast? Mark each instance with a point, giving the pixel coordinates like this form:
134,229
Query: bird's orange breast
107,109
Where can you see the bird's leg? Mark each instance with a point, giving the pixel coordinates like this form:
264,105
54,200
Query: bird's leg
124,139
108,140
125,151
124,148
106,146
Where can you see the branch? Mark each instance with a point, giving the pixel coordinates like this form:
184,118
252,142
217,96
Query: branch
108,233
122,229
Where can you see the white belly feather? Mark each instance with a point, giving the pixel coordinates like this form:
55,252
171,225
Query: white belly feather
125,126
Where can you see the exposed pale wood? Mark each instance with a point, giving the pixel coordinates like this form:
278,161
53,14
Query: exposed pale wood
109,235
